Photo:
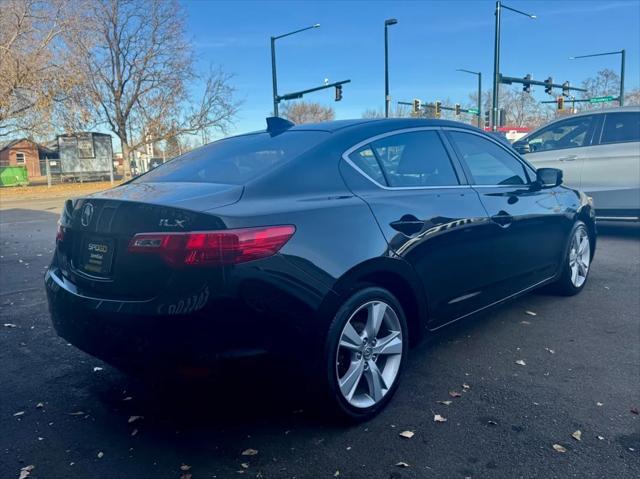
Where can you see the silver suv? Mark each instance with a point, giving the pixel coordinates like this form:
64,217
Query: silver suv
599,153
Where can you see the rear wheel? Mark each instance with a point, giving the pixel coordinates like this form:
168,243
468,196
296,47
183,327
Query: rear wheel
577,262
365,353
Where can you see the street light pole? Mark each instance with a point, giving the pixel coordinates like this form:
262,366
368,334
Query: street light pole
496,61
622,59
274,77
479,107
387,97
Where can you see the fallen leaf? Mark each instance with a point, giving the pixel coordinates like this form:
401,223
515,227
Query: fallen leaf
455,394
634,410
465,386
439,418
550,351
577,435
249,452
185,467
446,403
10,325
600,438
407,434
77,413
134,419
336,474
559,448
19,413
402,464
100,455
97,368
26,471
39,405
599,404
525,322
245,465
607,287
521,362
531,313
134,432
492,422
128,398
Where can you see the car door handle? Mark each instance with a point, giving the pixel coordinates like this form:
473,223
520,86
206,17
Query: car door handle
408,225
503,219
568,158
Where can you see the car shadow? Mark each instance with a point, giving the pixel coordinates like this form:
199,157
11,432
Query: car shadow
619,230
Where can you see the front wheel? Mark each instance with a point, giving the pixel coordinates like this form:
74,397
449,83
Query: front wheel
365,353
576,262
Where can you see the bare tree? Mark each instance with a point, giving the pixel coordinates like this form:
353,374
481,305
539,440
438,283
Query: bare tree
632,97
400,111
605,83
307,112
34,70
141,70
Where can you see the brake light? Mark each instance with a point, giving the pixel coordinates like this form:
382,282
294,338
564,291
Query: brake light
59,233
210,248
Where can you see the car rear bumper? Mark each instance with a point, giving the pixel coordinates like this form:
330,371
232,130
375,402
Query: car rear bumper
193,331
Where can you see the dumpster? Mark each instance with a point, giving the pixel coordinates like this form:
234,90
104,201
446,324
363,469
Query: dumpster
13,176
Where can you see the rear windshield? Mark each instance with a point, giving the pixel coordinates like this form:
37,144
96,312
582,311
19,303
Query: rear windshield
235,160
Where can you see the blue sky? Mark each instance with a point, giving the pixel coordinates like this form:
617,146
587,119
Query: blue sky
431,40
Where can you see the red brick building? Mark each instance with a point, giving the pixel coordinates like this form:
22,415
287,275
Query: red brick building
22,152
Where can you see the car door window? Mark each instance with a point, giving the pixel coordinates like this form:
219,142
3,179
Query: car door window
570,133
415,159
621,127
488,163
365,160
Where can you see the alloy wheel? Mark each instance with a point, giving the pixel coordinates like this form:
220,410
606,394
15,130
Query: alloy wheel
579,257
369,354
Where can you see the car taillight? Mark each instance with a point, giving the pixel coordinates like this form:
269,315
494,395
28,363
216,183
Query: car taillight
59,233
210,248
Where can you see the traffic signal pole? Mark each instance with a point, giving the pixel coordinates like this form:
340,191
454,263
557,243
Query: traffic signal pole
496,70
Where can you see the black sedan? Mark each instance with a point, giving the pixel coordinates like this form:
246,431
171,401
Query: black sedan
338,244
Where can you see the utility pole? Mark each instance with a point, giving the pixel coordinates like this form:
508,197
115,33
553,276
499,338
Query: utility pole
387,96
479,107
274,77
622,54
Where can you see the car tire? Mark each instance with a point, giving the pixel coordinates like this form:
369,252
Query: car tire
362,365
576,262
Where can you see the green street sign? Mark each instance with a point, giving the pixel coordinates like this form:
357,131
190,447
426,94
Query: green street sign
602,99
473,111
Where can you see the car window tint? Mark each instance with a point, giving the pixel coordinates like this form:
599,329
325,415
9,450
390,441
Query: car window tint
415,159
489,163
621,127
570,133
365,159
235,160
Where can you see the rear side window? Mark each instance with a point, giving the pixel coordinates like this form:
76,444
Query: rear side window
235,160
621,127
365,159
489,163
416,159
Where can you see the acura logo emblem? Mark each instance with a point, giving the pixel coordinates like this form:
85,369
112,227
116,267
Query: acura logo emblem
87,213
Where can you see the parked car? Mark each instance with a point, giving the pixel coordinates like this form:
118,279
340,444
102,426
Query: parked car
599,153
337,244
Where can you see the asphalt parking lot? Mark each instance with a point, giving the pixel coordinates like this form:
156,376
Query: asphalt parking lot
528,376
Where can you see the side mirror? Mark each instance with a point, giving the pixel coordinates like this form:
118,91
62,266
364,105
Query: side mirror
548,177
522,147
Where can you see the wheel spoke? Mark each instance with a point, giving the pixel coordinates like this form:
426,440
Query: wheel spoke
349,382
574,273
350,338
583,245
582,270
375,381
390,344
375,314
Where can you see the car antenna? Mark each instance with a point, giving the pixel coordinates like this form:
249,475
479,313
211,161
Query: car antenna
276,125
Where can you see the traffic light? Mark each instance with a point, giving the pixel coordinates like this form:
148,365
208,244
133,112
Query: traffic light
457,109
560,101
565,88
487,119
526,86
338,92
438,109
547,85
417,106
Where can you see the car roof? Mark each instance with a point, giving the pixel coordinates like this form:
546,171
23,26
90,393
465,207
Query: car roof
391,123
615,109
